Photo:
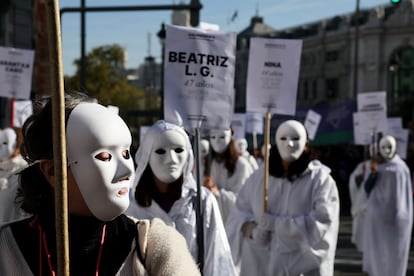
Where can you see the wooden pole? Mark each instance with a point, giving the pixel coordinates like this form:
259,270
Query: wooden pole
266,159
59,138
255,146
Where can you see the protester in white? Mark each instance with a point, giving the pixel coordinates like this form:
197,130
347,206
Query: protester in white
358,199
243,149
11,160
297,233
260,157
228,171
100,174
165,188
389,216
204,159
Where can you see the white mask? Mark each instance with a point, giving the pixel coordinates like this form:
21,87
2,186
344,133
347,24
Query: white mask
204,148
8,143
291,140
387,147
168,156
98,151
220,139
263,148
242,145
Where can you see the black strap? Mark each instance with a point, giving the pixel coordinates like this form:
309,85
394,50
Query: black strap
138,248
370,183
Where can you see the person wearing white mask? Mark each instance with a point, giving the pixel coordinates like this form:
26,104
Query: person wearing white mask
243,149
228,171
297,233
389,215
102,240
204,159
358,199
164,187
11,160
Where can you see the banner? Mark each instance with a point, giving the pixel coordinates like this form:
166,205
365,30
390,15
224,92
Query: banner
199,77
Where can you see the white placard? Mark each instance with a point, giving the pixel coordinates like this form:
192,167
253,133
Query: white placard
312,123
238,125
209,26
272,75
16,67
22,110
114,109
402,136
199,77
364,127
362,135
394,123
372,101
254,122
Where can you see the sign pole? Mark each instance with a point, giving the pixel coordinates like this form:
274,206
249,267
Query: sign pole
59,138
198,209
266,159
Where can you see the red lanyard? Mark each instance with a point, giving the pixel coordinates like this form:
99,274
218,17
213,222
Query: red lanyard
43,245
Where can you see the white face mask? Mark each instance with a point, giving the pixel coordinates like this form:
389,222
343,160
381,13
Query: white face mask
204,148
168,156
387,147
98,150
242,145
220,139
291,140
8,143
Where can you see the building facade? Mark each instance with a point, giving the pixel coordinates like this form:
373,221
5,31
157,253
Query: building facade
332,70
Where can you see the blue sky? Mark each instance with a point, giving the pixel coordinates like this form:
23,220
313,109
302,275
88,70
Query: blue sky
136,30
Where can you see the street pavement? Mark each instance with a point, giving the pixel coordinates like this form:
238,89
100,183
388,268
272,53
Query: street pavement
348,260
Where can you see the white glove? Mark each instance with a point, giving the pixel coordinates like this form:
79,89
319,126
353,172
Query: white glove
267,222
261,236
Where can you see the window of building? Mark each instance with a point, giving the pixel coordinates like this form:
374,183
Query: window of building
315,89
305,90
401,68
332,86
332,56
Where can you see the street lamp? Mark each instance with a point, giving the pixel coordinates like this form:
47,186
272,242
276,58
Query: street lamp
161,35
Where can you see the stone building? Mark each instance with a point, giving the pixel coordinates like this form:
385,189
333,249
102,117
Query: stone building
384,60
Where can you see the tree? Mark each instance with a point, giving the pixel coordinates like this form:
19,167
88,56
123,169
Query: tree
106,80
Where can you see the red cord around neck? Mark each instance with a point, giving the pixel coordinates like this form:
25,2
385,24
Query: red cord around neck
43,246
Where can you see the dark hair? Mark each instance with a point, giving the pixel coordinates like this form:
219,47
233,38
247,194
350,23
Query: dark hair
146,189
35,192
295,169
229,157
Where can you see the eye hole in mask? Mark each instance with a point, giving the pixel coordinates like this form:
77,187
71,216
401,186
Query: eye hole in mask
160,151
104,156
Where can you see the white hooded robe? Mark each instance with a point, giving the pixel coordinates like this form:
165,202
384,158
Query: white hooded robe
388,221
182,215
306,227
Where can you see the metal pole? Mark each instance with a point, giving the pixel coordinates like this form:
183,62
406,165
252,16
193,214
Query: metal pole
199,214
83,46
59,138
356,50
